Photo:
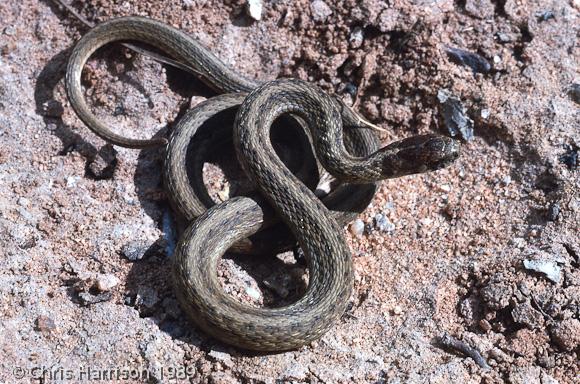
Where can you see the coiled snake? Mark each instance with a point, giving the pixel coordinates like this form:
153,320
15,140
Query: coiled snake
350,155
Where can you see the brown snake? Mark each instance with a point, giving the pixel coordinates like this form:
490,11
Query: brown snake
222,226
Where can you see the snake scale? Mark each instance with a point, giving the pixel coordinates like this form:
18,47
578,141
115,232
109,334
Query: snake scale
350,155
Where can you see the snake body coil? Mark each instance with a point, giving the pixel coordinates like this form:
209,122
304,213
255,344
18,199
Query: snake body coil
350,155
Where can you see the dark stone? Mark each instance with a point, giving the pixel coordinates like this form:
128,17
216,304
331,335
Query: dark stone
87,298
570,157
553,212
454,116
350,88
104,163
574,92
472,60
135,250
545,16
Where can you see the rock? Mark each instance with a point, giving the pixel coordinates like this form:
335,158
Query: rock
320,10
504,37
357,227
469,59
496,295
545,15
351,89
253,293
106,282
566,334
553,212
356,37
527,315
574,92
570,158
135,250
382,223
454,116
87,298
9,31
547,267
103,165
254,9
482,9
45,324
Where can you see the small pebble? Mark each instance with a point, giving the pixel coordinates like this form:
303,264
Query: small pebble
71,181
350,88
383,224
10,31
545,16
503,37
320,10
553,212
454,115
105,283
570,158
104,164
135,250
472,60
87,298
484,325
356,37
397,310
547,267
254,9
574,92
253,293
357,227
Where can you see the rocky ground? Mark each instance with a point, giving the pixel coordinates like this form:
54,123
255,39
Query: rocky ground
469,274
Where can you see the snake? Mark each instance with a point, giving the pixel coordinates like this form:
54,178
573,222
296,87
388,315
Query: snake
350,155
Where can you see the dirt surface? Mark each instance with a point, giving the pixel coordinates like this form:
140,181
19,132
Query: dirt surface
485,252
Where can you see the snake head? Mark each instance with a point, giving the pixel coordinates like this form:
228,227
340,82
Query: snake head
418,154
